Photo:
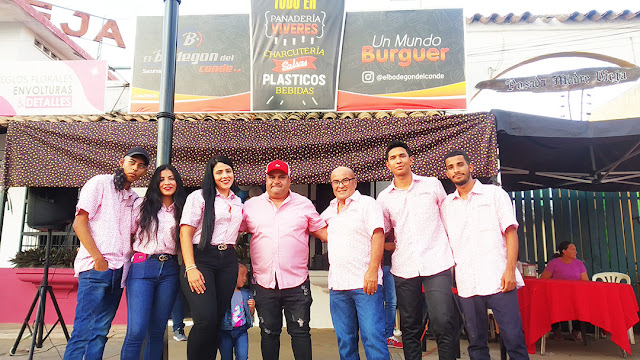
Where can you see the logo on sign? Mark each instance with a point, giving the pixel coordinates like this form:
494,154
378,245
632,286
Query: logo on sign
190,39
367,77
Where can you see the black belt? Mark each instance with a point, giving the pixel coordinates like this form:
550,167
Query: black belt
163,257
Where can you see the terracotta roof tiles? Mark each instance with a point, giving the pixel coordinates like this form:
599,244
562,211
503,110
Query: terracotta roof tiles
576,17
195,117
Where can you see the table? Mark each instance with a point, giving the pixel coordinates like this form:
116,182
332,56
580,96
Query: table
611,306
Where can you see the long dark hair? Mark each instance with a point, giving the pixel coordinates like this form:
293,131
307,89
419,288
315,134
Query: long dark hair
153,203
209,195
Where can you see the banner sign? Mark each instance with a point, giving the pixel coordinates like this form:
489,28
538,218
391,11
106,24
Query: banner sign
295,53
212,64
564,80
411,59
52,87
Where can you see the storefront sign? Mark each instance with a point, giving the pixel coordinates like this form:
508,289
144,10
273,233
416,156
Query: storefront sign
403,59
564,80
295,54
212,64
52,87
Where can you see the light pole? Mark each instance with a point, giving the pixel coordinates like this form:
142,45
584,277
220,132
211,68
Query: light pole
167,82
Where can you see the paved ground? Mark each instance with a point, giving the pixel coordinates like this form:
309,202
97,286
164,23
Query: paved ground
324,347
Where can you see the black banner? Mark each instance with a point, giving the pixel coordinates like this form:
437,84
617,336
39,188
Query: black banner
296,48
408,59
212,64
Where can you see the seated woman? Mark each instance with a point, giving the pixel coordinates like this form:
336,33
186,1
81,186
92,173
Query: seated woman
566,267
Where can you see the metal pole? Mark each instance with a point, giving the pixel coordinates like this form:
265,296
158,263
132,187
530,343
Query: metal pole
167,81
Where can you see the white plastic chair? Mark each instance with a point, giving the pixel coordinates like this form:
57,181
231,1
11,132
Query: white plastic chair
613,277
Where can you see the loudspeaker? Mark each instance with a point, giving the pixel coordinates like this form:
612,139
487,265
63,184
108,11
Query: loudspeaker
50,207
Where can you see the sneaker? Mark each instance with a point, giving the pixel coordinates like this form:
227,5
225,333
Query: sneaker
576,335
393,342
178,335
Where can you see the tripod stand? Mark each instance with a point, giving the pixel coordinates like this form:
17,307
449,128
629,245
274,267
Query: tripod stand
41,298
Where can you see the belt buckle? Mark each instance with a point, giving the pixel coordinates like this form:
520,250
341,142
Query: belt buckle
222,247
163,257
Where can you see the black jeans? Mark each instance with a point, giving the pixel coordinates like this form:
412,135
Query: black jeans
443,314
296,303
220,271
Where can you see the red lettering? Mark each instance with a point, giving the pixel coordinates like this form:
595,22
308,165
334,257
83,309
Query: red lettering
110,30
84,25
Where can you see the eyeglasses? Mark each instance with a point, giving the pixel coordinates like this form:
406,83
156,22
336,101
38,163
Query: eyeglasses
344,182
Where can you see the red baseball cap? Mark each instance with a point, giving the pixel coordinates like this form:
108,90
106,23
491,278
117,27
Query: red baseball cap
278,165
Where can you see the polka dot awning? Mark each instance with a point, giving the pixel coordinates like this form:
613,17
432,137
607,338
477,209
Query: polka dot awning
67,154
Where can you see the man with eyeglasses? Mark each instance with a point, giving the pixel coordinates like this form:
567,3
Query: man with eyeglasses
280,222
422,258
355,236
103,226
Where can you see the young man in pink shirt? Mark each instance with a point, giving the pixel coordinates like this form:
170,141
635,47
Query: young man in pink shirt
422,258
355,237
280,222
103,226
482,229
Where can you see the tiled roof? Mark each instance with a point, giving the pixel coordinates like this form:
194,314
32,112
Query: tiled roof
576,17
117,117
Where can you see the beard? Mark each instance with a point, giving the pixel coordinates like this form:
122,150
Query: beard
461,182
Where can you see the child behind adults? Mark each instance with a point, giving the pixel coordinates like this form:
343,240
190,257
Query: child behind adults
233,330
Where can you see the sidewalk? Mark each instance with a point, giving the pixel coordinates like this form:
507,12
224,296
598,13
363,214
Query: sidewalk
323,340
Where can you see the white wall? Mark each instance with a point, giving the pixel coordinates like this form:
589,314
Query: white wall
493,48
16,43
12,226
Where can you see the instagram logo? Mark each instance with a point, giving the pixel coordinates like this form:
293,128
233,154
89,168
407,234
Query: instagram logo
367,77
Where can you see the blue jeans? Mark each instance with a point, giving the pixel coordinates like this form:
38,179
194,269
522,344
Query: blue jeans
237,339
353,309
507,312
177,314
99,294
390,304
151,291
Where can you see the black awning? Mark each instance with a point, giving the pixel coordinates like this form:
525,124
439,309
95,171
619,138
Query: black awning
542,152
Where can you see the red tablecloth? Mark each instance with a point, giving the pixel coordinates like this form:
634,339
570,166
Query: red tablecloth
610,306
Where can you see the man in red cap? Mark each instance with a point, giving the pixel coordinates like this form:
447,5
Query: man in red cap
280,222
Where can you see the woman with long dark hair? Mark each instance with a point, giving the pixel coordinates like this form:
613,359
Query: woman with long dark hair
153,279
208,233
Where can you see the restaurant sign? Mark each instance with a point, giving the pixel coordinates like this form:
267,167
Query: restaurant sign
564,80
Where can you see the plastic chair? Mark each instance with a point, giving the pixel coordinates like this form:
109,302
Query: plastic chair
613,277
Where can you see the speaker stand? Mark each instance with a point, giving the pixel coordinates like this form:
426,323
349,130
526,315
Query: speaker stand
37,334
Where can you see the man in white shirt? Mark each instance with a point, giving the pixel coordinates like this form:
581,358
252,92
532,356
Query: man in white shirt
422,257
355,236
482,229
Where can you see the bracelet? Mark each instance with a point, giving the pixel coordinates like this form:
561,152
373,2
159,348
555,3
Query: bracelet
191,267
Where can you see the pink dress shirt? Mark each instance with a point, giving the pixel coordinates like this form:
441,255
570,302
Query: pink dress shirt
476,229
422,247
161,242
110,213
280,239
349,240
228,217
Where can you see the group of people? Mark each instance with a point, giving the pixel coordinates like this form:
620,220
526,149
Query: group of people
126,240
473,230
